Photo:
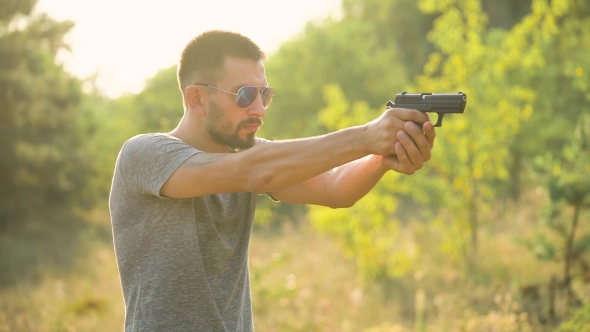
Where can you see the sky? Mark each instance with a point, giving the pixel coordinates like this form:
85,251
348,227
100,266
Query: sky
125,42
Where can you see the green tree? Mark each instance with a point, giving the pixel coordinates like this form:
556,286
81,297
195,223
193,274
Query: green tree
503,74
42,163
158,107
346,52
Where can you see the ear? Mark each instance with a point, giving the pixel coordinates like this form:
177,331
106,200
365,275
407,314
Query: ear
195,98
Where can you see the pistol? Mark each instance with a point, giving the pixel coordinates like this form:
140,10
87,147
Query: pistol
439,103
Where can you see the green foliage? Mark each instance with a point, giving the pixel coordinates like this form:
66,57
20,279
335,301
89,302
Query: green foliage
568,184
11,8
542,246
474,148
368,233
469,157
43,164
578,321
367,230
509,77
569,174
346,52
158,107
109,126
398,25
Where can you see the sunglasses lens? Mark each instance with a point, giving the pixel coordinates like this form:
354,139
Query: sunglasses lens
246,96
267,94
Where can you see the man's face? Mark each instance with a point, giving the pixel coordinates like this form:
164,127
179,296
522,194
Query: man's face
223,130
227,123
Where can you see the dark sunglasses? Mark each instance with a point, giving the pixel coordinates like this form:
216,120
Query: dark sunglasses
247,94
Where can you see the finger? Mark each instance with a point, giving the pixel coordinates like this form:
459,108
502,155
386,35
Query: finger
430,133
393,120
420,140
405,166
412,152
391,161
407,114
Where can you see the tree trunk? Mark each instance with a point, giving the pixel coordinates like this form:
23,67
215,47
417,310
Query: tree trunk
551,304
569,257
473,208
515,168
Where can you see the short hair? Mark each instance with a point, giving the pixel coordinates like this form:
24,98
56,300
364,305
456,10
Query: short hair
204,56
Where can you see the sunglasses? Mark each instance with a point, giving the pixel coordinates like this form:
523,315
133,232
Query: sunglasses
247,94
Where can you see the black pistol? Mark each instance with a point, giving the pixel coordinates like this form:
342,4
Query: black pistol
439,103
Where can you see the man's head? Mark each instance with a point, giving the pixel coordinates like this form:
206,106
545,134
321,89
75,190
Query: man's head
222,60
203,58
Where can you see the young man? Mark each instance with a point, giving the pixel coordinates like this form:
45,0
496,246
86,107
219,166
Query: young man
182,203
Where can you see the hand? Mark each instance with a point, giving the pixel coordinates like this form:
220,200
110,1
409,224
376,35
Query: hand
383,133
412,149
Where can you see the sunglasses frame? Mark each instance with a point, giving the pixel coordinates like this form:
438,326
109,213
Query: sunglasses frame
259,91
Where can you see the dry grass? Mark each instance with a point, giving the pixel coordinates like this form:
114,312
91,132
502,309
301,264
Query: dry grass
79,291
300,282
65,279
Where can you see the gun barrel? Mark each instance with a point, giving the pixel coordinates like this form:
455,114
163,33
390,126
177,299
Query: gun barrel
432,102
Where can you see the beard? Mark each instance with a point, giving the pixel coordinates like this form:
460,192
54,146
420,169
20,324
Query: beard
223,132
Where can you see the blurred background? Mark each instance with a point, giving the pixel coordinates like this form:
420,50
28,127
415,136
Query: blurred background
491,235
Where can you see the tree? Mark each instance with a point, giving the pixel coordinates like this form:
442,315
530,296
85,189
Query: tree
504,74
158,107
42,164
346,52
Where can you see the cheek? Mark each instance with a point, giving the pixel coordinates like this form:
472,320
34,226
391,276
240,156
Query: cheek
230,120
228,125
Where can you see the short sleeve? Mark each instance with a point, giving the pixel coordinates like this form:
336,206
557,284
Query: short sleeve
147,161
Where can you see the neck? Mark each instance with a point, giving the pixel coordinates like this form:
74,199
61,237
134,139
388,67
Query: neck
194,133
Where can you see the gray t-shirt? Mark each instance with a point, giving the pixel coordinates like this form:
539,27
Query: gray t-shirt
183,263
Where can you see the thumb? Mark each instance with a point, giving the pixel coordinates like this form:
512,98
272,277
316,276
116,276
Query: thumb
392,162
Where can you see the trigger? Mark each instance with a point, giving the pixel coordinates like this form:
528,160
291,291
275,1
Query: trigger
439,120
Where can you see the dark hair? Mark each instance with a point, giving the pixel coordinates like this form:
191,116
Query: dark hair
204,56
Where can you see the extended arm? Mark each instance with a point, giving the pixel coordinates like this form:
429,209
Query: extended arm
274,166
345,185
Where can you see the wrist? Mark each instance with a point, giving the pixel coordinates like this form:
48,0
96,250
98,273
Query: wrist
363,138
379,163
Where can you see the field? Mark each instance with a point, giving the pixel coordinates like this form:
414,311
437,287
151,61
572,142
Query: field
65,278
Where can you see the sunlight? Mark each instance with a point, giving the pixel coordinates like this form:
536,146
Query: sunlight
125,42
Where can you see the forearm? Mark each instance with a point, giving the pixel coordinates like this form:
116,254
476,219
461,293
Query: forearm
281,164
351,182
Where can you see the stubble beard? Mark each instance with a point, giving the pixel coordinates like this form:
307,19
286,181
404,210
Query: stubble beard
224,133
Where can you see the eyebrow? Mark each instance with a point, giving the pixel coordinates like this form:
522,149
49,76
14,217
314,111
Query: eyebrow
241,85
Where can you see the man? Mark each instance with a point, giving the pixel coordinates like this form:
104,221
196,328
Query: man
182,203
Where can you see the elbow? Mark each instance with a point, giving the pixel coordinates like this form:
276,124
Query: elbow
257,177
262,182
342,204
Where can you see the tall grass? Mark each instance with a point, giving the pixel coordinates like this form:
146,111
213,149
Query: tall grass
62,276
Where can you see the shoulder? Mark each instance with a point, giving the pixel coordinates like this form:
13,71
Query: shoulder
152,142
149,139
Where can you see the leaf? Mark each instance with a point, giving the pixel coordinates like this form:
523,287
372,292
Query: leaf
582,244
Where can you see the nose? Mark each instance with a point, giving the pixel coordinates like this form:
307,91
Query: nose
257,109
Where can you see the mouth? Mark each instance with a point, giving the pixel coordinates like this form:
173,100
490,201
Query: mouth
252,126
